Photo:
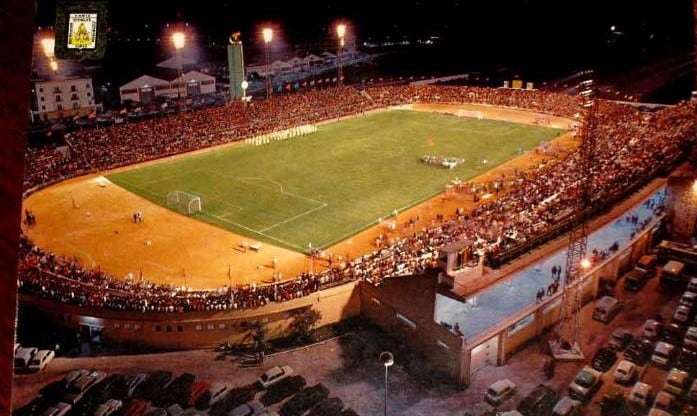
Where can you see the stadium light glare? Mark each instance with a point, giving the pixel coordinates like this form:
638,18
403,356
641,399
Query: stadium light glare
341,33
48,46
267,35
178,39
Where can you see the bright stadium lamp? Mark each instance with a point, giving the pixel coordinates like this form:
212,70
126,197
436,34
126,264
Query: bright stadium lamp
178,39
267,35
340,33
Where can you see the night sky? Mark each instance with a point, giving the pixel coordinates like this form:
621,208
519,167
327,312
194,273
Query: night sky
526,34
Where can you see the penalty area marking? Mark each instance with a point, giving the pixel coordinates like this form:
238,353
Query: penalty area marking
253,230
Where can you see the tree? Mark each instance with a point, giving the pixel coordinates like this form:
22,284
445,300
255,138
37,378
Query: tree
303,325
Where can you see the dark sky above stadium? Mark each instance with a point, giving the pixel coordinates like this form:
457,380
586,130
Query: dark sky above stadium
520,30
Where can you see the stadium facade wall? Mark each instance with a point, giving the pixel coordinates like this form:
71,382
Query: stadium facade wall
191,330
394,307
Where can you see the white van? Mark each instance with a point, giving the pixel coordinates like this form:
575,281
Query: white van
23,356
606,308
498,392
39,361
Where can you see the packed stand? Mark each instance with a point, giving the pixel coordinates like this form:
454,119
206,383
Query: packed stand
632,149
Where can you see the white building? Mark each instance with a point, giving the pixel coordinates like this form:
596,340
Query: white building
145,88
66,97
192,83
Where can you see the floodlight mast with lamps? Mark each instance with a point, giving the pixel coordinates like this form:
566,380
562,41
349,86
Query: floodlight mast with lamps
48,45
267,34
178,39
387,359
341,33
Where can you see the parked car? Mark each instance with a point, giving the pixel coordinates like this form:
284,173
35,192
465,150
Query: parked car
199,389
682,314
663,354
108,408
692,393
585,384
304,400
78,388
676,383
216,392
664,401
687,361
688,299
135,407
566,406
635,280
22,357
274,375
40,360
177,391
620,339
673,333
626,372
604,359
133,381
639,351
652,329
60,409
690,339
640,396
155,382
606,308
498,392
540,401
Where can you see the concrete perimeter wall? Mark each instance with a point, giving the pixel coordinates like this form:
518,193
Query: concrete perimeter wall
200,329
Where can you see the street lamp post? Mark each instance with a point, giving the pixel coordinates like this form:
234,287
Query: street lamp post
178,40
340,32
267,34
387,359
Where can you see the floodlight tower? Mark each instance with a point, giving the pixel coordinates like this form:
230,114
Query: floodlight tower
178,39
267,34
576,262
48,45
341,33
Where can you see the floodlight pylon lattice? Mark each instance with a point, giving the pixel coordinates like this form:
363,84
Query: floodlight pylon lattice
576,262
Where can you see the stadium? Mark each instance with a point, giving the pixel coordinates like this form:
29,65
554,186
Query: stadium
112,254
505,234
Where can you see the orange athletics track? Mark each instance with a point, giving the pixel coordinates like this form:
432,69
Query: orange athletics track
91,220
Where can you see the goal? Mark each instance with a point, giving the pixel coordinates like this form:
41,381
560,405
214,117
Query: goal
184,202
470,113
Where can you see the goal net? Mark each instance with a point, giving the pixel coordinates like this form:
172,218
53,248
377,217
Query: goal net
184,202
470,113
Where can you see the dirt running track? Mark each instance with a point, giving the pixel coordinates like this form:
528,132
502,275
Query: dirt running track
90,219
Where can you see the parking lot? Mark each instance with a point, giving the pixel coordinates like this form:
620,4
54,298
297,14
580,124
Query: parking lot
349,366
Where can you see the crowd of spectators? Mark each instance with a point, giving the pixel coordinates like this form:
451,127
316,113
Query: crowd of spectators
633,147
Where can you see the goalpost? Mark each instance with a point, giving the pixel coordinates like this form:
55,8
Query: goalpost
184,202
470,113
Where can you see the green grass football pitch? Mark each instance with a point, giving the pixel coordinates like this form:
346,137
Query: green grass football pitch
323,187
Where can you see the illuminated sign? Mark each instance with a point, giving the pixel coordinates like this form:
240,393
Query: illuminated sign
81,30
